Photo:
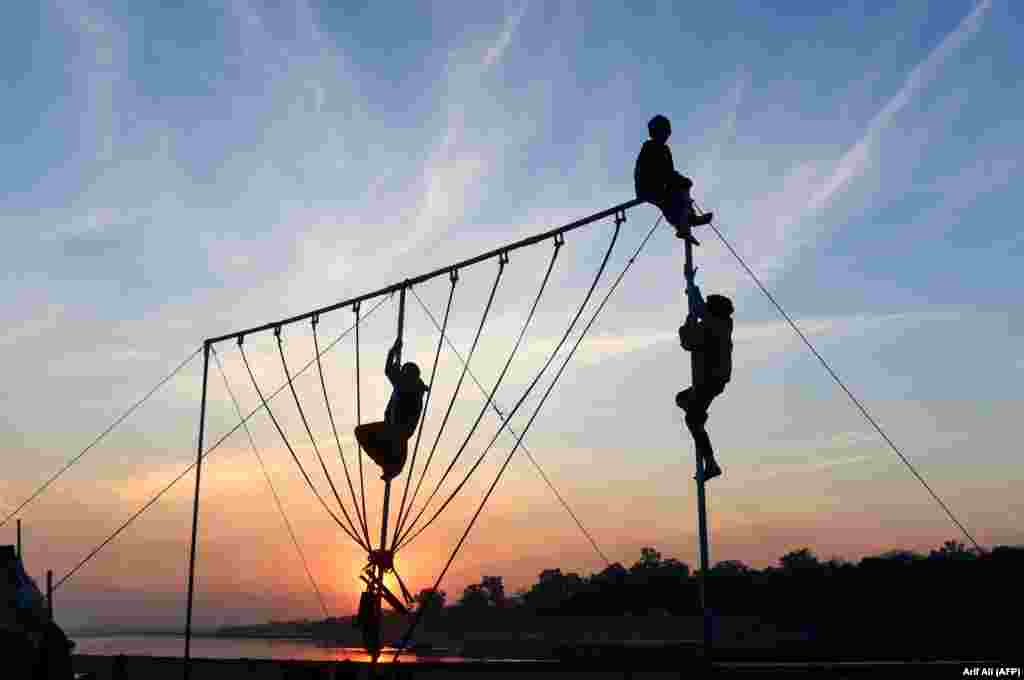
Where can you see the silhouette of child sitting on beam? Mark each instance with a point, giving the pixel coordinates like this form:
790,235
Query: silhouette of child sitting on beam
657,181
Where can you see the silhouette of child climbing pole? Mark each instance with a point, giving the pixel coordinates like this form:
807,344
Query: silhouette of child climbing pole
707,336
657,182
387,441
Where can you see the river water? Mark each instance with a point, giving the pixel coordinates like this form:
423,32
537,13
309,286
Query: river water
233,648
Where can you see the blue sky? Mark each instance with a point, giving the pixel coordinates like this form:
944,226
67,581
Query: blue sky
174,174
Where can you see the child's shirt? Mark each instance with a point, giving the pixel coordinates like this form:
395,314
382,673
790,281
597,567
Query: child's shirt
709,341
406,401
654,174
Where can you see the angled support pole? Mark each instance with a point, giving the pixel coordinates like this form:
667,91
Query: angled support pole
195,515
392,599
702,531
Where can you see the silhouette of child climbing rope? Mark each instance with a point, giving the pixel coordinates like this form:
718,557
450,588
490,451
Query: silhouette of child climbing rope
707,336
658,182
387,442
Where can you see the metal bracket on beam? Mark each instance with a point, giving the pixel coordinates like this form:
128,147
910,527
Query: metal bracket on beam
382,558
620,217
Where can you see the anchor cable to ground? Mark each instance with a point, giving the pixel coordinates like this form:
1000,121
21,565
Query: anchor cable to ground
857,402
100,437
213,447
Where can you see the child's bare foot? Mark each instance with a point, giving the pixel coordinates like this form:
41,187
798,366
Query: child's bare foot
684,233
711,469
701,220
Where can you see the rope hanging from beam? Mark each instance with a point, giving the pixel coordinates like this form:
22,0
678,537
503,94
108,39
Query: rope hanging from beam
454,278
533,416
270,484
291,450
498,411
334,429
502,261
558,243
359,421
409,536
309,430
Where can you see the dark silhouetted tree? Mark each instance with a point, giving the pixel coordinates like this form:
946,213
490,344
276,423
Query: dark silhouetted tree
431,601
649,559
553,590
495,590
474,598
730,568
953,550
900,555
613,573
797,560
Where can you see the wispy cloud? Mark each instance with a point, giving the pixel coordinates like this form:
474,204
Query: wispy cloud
706,164
758,340
44,319
789,213
452,174
837,462
497,50
855,160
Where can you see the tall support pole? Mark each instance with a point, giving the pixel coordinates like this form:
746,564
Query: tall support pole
195,515
387,484
702,530
49,594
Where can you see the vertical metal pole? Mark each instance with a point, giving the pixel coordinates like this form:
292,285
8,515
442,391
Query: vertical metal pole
195,515
378,594
384,520
702,531
19,540
387,484
49,594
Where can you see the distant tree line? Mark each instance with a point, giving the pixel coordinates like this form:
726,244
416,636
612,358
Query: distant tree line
952,592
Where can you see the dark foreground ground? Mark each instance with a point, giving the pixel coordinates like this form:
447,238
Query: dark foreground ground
650,667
